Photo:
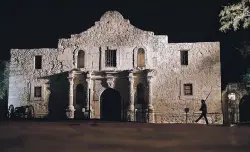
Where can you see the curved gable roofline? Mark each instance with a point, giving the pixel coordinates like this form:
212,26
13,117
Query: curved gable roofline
110,17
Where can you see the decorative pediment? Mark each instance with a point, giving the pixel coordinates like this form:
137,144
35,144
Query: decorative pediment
111,30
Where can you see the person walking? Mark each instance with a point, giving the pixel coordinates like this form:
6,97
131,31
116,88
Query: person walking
203,110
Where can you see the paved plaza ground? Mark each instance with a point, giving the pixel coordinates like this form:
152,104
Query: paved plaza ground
84,136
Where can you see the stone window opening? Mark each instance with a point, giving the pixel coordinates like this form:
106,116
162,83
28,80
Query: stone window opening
141,58
184,57
110,58
81,59
38,62
188,89
38,92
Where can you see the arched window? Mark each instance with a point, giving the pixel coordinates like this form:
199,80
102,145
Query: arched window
81,59
140,94
140,57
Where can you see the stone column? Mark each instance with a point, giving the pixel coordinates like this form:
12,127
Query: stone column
47,96
88,86
88,81
131,109
150,102
101,59
47,92
71,109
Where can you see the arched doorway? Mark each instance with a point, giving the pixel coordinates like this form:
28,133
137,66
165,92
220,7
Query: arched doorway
244,108
110,105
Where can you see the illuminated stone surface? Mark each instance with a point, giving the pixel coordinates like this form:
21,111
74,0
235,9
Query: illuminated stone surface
162,67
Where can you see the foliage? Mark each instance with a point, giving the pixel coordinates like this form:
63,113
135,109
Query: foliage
246,77
244,49
4,78
233,16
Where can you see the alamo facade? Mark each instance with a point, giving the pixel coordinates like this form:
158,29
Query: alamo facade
115,71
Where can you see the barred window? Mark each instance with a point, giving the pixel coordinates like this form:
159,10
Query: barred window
110,58
184,57
188,89
38,92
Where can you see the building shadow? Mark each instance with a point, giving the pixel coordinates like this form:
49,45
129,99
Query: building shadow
59,96
4,107
244,107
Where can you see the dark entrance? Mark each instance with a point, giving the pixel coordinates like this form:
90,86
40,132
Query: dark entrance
244,109
111,105
80,101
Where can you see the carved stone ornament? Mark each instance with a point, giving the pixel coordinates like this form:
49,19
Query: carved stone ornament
149,79
88,81
111,82
151,72
76,80
70,112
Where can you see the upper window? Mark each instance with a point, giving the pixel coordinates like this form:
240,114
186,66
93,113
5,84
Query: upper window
81,59
110,58
38,92
38,62
140,57
188,89
184,57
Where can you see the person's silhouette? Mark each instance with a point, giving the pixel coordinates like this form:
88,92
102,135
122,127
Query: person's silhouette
204,111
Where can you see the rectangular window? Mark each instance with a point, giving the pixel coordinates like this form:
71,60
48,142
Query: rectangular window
110,58
188,89
38,62
38,92
184,57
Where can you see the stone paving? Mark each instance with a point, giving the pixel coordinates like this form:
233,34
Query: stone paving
84,136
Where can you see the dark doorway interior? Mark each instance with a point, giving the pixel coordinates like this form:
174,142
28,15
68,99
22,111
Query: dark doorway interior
111,105
80,101
244,108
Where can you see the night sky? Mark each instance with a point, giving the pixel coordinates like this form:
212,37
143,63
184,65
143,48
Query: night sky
39,24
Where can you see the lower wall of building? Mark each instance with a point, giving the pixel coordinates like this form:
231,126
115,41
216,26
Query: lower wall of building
165,111
213,118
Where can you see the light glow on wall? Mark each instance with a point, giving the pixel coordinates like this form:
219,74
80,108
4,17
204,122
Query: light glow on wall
231,96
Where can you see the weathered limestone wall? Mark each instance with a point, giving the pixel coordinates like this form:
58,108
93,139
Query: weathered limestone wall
203,72
24,77
114,32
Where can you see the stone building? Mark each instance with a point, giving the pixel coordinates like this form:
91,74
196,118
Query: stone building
116,71
236,103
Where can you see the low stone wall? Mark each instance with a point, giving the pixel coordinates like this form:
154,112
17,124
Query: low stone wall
41,115
213,118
